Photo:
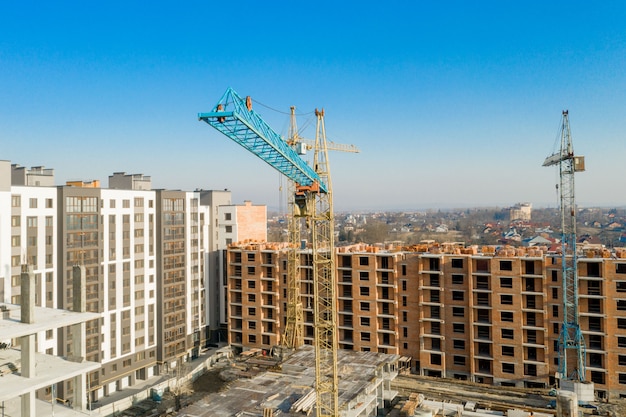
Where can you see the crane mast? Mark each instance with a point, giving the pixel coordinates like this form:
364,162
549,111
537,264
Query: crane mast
234,117
571,367
294,328
325,308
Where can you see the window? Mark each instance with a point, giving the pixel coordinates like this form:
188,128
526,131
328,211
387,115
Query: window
365,306
597,377
458,344
507,334
458,311
252,311
363,260
506,282
364,291
508,351
252,325
555,293
403,285
229,229
621,286
506,316
506,299
15,241
364,275
457,279
595,324
458,295
555,311
621,323
405,316
16,201
458,327
435,328
15,221
252,338
365,336
457,263
506,265
365,321
435,359
227,216
251,284
251,270
621,305
620,268
621,360
622,379
459,360
530,369
251,298
126,203
508,368
404,302
483,315
32,203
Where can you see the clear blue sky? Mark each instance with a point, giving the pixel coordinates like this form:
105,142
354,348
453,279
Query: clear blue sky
453,104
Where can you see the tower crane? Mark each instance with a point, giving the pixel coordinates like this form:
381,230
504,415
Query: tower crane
294,329
234,117
571,368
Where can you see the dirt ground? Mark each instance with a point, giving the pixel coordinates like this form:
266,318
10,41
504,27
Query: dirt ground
209,382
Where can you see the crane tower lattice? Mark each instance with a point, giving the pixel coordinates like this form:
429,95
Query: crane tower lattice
570,337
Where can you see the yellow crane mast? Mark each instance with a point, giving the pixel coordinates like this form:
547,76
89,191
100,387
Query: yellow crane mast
294,329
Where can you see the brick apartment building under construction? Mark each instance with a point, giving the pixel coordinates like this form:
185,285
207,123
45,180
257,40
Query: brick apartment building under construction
488,316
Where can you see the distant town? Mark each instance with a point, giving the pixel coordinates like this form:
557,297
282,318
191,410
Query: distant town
518,225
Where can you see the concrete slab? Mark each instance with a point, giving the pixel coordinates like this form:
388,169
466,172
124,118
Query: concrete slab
48,370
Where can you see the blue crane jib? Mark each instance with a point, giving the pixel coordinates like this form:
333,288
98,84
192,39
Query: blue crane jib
234,117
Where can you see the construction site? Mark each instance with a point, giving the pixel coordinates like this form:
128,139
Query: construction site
313,329
371,384
311,203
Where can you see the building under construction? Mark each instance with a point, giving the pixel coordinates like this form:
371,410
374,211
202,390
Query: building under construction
487,315
364,388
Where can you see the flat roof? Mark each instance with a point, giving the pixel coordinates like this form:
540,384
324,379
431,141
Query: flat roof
45,319
48,370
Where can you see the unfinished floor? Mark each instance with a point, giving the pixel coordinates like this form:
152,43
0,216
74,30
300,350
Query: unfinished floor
364,387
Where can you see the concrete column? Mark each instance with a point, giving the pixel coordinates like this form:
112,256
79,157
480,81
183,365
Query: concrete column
79,350
28,295
27,343
28,404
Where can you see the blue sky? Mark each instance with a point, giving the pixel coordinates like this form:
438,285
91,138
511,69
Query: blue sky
453,104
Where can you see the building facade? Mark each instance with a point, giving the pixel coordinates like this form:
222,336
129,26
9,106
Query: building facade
488,316
145,255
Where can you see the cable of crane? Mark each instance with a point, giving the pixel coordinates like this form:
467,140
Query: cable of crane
280,111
